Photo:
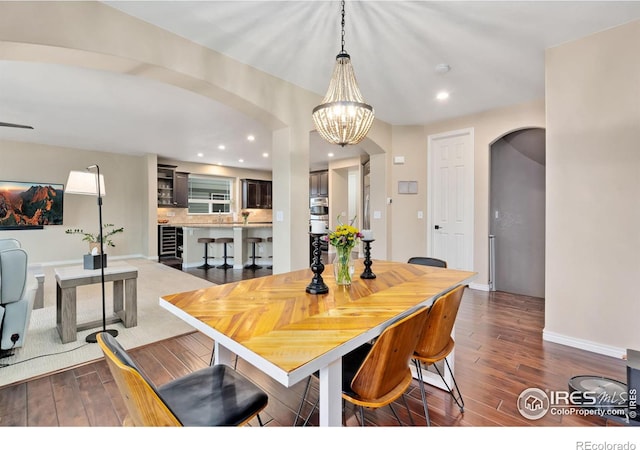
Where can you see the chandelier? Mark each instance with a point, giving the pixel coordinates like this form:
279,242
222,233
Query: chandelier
343,117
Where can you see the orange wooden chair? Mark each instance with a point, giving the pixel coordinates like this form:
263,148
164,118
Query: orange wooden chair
436,343
375,375
214,396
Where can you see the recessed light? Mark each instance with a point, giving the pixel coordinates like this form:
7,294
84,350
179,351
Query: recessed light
219,163
443,95
251,138
330,155
221,147
265,155
200,155
241,160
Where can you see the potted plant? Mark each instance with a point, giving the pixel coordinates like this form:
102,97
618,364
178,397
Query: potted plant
92,260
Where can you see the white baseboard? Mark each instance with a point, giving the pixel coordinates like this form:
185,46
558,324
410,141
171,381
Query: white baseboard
583,344
479,287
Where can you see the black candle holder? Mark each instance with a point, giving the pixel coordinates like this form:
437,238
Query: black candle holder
317,285
367,274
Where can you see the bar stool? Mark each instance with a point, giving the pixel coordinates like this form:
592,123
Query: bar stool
225,241
253,241
270,239
206,241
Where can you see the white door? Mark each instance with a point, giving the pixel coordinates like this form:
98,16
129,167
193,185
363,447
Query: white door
450,208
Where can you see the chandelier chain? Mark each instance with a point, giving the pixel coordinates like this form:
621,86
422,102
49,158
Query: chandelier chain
342,35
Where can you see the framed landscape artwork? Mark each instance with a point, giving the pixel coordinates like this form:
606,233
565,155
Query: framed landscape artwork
30,204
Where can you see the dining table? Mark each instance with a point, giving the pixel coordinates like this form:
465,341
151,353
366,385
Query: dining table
289,334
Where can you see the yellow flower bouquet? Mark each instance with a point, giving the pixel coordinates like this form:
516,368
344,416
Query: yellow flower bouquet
344,239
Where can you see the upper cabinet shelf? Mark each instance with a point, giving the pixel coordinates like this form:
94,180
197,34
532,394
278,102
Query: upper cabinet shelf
172,187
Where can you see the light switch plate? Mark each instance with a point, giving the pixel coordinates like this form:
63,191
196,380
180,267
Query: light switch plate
279,216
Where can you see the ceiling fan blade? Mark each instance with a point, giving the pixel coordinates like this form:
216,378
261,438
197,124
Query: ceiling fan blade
15,125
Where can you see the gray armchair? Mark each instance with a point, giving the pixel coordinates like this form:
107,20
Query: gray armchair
17,293
8,243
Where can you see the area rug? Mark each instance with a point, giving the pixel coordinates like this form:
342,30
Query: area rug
43,351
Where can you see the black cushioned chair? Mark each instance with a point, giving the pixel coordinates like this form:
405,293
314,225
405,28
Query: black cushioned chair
214,396
427,261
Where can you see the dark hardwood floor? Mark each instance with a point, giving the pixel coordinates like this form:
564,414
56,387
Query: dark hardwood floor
499,353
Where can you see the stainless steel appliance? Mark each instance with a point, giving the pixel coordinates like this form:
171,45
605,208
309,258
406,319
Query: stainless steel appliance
319,208
318,212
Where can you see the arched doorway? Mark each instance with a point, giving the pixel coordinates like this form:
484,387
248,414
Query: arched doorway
517,212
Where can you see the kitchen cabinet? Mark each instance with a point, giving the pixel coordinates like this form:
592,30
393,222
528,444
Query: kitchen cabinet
173,187
256,194
319,184
181,190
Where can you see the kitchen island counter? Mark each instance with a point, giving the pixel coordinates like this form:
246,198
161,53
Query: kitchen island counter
193,252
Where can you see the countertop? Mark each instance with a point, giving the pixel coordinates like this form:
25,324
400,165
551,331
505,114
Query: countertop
218,225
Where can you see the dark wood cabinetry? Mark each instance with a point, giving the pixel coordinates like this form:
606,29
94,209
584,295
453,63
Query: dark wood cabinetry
256,194
181,190
319,184
173,187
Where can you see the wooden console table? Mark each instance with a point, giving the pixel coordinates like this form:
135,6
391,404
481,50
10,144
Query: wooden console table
124,278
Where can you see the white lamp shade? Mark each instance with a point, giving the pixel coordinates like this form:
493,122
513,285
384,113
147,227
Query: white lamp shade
84,183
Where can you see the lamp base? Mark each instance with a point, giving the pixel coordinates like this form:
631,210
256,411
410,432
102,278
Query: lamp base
93,337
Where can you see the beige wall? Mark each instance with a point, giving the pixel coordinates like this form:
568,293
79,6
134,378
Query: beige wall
593,187
410,238
125,203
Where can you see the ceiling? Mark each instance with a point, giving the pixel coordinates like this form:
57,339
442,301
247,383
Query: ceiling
495,51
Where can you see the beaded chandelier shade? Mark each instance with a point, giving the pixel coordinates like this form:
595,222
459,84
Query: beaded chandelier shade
343,117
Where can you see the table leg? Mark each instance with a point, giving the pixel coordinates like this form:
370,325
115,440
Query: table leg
222,355
66,316
331,395
38,303
131,302
118,298
125,301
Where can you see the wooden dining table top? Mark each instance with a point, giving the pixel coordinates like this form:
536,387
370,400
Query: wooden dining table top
277,320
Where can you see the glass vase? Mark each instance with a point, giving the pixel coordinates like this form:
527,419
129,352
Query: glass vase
343,268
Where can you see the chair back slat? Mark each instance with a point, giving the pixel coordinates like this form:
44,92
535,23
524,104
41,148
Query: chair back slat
144,405
436,335
387,363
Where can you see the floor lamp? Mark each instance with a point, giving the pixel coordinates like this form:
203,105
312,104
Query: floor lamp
90,183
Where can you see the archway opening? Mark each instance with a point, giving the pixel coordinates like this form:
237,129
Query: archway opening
517,213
